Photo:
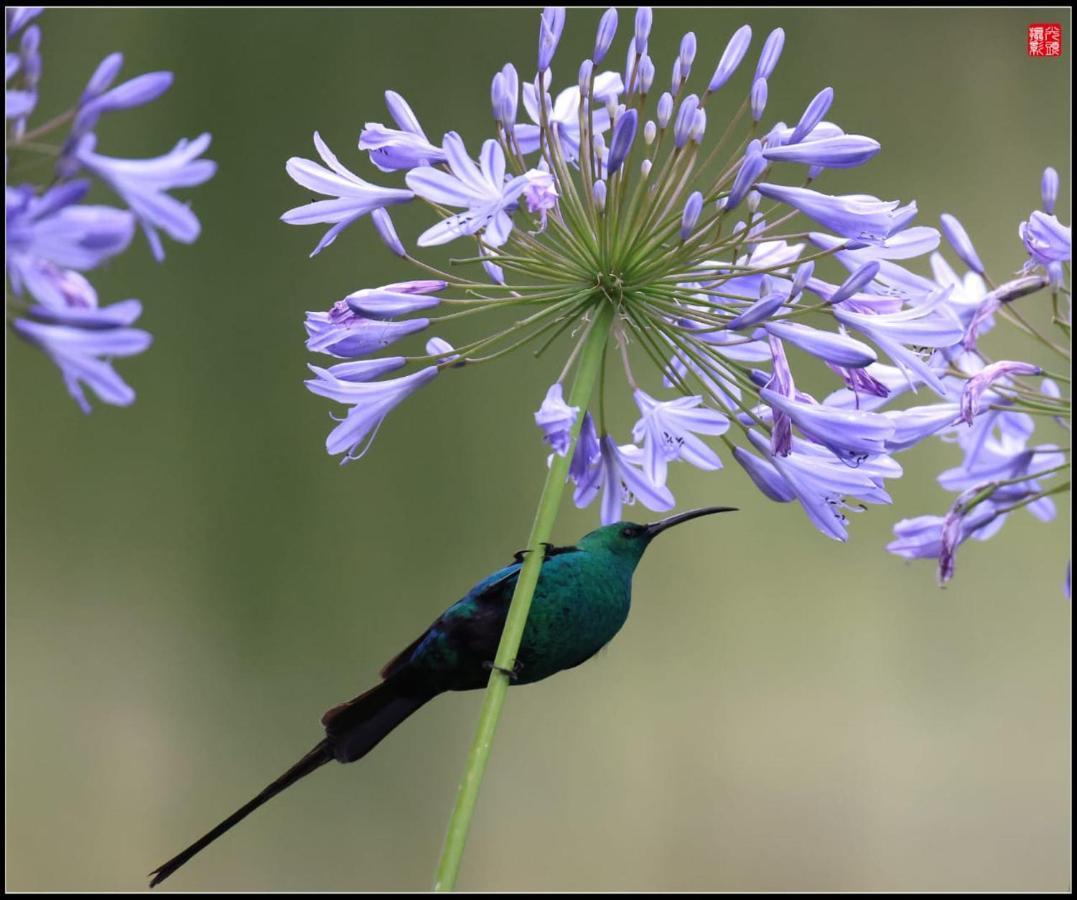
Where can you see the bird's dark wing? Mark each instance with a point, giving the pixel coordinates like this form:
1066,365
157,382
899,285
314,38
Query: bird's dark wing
482,609
549,550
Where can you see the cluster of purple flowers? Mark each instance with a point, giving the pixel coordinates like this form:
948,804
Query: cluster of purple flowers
990,407
52,237
608,193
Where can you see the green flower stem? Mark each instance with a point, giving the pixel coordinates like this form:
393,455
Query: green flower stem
587,373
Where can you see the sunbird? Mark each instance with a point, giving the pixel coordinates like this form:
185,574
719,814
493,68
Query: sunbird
582,599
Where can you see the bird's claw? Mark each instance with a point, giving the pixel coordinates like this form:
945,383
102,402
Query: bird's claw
512,674
519,555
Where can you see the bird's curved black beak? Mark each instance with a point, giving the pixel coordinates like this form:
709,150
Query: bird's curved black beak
658,527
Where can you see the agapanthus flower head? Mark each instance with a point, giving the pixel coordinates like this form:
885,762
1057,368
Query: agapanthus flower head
52,237
610,214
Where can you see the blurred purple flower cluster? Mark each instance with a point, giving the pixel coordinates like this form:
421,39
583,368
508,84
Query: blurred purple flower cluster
52,236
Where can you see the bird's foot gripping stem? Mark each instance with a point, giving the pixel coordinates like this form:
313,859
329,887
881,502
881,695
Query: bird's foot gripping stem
513,674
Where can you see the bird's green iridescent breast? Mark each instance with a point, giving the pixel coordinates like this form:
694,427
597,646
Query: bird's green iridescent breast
581,602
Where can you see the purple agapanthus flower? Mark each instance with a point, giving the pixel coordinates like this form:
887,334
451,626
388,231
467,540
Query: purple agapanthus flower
556,418
858,217
820,481
563,114
616,473
481,189
82,339
1046,239
143,185
48,234
371,401
346,334
668,430
405,147
353,197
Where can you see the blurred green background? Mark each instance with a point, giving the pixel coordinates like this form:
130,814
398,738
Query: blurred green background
192,581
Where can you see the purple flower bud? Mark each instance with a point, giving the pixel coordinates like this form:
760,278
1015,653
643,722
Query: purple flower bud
645,74
1049,189
837,349
599,194
843,152
387,303
556,418
29,47
645,167
551,25
688,53
804,273
607,30
856,216
731,57
960,241
644,17
384,225
624,133
650,131
440,347
630,68
541,191
495,273
512,95
772,49
498,90
665,109
135,92
699,126
416,286
764,476
976,386
750,170
690,217
103,76
813,115
759,98
402,113
686,117
859,279
759,311
586,70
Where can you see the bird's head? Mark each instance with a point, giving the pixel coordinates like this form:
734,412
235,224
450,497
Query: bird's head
628,540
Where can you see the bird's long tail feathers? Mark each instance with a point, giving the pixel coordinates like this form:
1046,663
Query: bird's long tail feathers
352,730
316,758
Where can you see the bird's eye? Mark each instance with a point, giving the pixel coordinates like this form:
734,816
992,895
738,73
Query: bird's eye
630,531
